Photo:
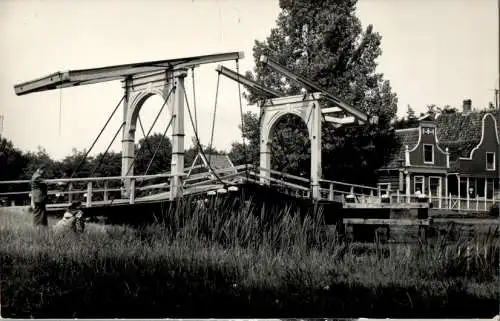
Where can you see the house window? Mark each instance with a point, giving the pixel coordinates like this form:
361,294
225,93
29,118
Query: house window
384,187
418,184
428,153
490,161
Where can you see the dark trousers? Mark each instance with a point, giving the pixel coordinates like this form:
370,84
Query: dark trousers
39,214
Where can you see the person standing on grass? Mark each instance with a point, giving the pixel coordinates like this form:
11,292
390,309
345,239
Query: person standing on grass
39,197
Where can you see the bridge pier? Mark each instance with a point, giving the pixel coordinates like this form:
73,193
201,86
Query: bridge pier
308,109
177,165
137,90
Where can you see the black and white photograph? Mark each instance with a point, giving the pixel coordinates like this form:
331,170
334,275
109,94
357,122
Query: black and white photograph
250,159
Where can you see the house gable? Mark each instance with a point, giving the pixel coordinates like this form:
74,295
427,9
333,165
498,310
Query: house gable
476,161
427,152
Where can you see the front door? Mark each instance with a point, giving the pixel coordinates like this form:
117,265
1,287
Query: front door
435,190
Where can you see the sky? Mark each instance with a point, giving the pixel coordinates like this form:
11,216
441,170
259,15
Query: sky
434,52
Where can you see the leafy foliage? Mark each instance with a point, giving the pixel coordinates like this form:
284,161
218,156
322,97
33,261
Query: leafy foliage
324,42
154,145
12,160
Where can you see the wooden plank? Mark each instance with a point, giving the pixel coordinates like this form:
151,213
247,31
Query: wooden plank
72,78
340,120
385,221
386,205
467,221
330,110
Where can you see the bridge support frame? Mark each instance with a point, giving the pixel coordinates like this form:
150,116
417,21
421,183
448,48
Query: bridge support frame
177,164
306,107
138,89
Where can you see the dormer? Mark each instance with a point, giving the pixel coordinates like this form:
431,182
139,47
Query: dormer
427,151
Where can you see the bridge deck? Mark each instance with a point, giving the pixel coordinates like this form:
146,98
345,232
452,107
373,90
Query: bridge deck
107,191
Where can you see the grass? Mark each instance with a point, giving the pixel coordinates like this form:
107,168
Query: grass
236,260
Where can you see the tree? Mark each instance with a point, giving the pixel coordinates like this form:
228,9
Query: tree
433,110
410,113
76,165
12,164
35,159
447,109
249,153
324,42
12,161
109,164
153,155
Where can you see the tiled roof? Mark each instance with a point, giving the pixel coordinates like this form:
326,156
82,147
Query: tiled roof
459,132
407,137
459,148
219,161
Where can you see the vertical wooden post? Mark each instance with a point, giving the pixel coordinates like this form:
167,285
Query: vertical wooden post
446,190
330,194
89,194
468,193
408,188
477,202
105,198
397,196
70,192
485,192
132,191
459,194
493,192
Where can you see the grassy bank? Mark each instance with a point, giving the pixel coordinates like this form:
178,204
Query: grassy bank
224,262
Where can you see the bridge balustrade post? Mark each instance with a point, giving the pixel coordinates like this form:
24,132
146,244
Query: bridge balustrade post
105,197
70,192
177,164
89,194
132,191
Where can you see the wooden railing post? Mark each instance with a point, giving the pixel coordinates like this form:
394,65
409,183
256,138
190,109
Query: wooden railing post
105,197
89,194
330,194
132,191
70,192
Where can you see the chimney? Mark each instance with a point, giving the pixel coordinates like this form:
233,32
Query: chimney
467,106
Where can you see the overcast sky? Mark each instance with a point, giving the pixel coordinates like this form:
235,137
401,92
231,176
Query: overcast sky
434,52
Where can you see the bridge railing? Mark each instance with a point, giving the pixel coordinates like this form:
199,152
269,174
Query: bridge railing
338,191
451,202
89,189
286,183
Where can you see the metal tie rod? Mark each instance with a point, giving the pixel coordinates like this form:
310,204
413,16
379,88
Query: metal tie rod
361,116
246,81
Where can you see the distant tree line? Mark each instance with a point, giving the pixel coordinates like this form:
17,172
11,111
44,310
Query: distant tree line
18,165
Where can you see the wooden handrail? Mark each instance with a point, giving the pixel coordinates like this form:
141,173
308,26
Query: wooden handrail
348,184
90,179
299,187
272,171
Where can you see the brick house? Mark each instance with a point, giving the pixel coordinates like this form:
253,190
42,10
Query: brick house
453,159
